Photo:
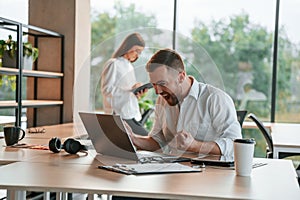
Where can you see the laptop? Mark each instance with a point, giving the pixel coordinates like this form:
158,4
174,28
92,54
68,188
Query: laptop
109,137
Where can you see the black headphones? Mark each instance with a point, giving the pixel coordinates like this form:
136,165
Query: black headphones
71,145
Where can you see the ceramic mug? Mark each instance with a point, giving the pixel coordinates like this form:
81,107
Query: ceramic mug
13,134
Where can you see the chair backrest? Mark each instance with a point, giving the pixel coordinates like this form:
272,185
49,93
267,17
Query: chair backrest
264,131
241,114
146,115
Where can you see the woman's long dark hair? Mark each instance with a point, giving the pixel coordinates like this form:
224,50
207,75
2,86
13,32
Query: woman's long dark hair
130,41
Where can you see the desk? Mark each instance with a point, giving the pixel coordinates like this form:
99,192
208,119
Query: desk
10,155
42,170
251,125
61,131
286,138
210,184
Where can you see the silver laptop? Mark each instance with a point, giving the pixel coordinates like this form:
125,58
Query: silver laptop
109,137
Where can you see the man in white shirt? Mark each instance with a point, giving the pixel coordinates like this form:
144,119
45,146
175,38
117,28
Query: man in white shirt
189,116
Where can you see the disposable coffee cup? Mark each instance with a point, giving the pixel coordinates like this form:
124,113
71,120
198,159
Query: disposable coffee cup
13,134
243,156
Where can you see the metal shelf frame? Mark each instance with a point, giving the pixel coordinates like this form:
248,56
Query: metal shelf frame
19,72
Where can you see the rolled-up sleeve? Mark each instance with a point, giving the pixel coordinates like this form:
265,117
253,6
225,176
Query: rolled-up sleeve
225,122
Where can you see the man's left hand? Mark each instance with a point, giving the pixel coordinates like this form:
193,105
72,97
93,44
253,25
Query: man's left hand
185,141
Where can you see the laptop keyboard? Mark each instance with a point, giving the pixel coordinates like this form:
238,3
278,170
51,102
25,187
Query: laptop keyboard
154,157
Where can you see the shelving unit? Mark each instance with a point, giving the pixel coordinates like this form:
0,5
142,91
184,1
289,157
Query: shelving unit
39,37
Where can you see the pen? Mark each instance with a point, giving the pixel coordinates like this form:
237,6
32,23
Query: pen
124,167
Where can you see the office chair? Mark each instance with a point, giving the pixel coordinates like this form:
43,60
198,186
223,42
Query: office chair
146,115
241,115
138,126
269,141
266,134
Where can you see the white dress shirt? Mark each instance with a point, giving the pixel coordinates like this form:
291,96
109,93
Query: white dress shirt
207,113
117,80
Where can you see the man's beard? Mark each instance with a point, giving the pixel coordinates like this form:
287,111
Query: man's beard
170,98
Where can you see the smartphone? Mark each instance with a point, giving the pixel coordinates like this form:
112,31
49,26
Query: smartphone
145,86
214,160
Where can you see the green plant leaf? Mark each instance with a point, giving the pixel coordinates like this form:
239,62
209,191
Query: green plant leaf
11,46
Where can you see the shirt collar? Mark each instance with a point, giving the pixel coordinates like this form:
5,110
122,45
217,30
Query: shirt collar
194,91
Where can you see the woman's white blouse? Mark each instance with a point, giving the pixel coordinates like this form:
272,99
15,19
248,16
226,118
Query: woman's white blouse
117,80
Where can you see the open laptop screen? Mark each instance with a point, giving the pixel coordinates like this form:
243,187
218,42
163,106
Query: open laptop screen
108,135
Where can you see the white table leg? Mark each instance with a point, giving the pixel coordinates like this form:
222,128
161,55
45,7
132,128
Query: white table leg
16,194
58,195
64,195
92,196
275,153
106,197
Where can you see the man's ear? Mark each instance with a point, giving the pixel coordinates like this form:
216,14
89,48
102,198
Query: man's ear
181,76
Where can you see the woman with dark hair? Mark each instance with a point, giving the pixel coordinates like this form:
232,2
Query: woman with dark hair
118,79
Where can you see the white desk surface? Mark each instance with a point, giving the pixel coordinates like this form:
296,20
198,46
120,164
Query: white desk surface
286,134
286,138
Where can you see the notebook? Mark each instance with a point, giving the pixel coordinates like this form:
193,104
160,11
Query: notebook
109,137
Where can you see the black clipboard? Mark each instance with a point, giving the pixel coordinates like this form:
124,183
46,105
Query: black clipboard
150,168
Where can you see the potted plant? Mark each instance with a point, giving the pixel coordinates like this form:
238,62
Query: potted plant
8,52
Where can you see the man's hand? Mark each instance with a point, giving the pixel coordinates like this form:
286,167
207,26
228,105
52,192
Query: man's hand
185,141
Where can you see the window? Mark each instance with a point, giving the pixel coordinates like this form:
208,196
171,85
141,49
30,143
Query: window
113,20
229,44
288,64
238,36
